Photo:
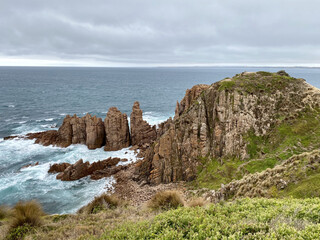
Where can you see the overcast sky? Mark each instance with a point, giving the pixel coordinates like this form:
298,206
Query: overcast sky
159,32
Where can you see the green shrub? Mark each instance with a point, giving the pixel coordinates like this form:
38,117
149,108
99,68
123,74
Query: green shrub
100,203
241,219
165,200
19,232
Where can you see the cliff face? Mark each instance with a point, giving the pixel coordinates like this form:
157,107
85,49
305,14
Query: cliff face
217,120
113,133
117,130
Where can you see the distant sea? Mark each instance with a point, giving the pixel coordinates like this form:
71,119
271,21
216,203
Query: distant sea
36,99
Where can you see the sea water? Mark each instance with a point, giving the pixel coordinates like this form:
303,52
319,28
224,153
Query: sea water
36,99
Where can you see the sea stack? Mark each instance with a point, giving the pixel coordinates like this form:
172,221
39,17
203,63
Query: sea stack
141,131
117,130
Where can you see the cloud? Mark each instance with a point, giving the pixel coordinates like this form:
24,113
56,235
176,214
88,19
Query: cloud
166,32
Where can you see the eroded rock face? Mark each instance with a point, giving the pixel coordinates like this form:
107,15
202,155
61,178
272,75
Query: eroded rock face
216,123
117,130
87,130
80,169
141,131
190,96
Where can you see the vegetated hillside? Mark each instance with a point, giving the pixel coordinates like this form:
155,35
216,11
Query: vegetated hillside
253,135
237,126
242,219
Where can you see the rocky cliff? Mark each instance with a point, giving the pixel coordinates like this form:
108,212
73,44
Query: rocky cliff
113,133
117,130
141,131
214,122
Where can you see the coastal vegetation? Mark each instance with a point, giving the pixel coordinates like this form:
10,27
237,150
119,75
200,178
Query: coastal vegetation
246,149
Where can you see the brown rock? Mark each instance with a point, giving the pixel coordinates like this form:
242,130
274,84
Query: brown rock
214,124
58,167
74,130
191,95
141,131
94,131
80,169
117,130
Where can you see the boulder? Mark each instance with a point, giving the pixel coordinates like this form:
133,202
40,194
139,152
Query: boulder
117,130
80,169
141,131
58,167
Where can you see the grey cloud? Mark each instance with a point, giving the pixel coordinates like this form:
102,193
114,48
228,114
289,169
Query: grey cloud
162,32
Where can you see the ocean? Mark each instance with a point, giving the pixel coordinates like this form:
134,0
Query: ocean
36,99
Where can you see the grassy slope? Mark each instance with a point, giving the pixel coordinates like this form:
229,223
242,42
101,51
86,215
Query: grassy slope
242,219
287,138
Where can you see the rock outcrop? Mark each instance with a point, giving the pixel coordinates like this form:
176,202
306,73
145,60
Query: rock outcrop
58,167
117,130
191,95
141,131
215,124
87,130
97,170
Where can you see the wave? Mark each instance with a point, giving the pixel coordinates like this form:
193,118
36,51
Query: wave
35,183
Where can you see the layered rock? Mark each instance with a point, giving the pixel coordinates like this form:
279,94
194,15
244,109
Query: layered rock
141,131
87,130
117,130
216,123
190,96
97,170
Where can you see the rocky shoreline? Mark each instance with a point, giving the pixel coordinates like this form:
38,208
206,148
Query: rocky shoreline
210,122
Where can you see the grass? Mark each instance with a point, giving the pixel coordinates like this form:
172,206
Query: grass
306,188
4,212
242,219
166,200
26,213
197,202
256,82
100,203
288,138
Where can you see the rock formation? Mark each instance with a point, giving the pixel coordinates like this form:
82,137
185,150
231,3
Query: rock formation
217,122
191,95
87,130
141,131
58,167
97,170
117,130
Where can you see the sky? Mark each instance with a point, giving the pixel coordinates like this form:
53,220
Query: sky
124,33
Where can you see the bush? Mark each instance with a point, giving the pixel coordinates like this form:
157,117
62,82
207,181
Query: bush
165,200
26,214
197,202
99,203
19,232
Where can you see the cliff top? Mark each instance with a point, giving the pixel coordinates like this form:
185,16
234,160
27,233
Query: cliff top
264,82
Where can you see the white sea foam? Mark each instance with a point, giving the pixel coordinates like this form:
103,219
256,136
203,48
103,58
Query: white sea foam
154,118
49,119
35,183
11,106
22,122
